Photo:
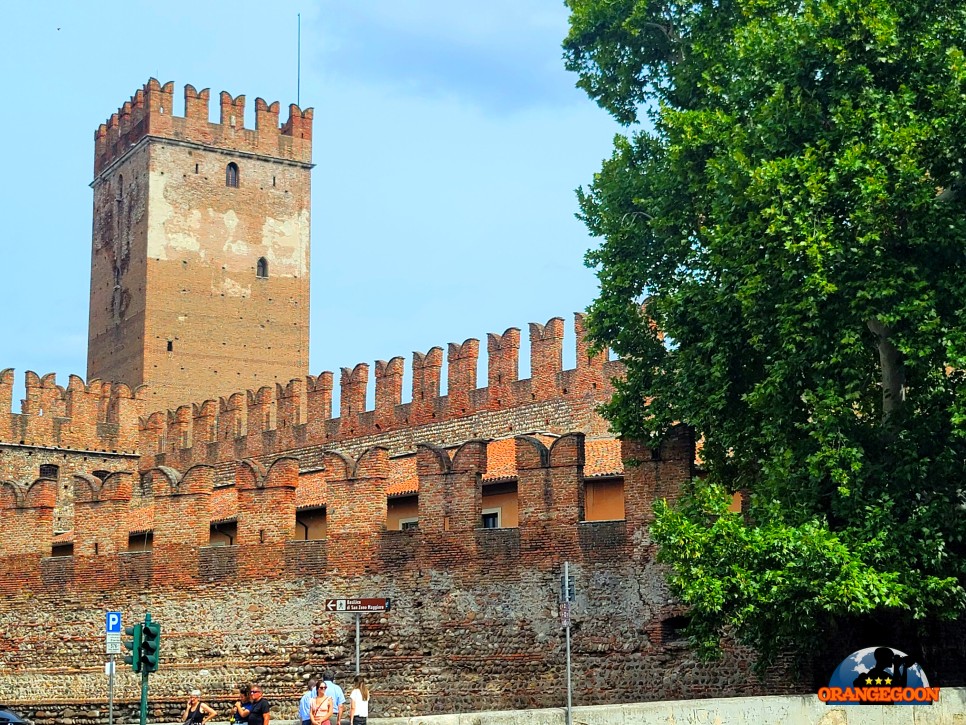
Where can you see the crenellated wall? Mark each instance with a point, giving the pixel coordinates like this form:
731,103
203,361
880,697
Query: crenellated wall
150,113
96,416
298,415
474,622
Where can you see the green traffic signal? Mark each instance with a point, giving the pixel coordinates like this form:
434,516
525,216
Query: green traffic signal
150,644
133,646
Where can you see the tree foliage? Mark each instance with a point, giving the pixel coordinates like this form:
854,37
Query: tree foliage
783,266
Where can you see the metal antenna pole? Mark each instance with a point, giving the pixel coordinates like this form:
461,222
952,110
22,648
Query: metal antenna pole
298,65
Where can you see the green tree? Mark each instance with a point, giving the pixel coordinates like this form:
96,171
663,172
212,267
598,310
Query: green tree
783,267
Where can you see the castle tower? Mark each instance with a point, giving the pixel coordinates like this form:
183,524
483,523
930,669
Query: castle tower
200,257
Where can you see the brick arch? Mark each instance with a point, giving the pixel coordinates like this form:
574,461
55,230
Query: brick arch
532,453
431,460
471,456
12,495
372,462
337,465
249,473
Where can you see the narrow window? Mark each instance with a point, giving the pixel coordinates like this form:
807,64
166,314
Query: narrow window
261,269
48,470
408,524
170,346
196,168
273,181
231,175
120,188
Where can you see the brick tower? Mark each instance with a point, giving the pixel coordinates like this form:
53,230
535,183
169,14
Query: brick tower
200,257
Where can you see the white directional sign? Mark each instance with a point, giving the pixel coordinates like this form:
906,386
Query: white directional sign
357,605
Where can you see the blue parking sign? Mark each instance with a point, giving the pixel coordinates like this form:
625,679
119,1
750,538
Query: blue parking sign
112,624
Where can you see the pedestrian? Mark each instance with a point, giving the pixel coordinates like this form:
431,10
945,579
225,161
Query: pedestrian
337,695
305,703
321,708
359,702
196,712
242,699
258,711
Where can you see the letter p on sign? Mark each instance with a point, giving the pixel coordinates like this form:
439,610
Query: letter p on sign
113,623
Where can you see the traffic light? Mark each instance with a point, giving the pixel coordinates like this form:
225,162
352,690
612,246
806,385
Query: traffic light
150,644
133,646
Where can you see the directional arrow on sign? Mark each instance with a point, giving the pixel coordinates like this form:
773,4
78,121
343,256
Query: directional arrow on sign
331,604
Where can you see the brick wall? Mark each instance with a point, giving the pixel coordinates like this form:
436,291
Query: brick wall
475,616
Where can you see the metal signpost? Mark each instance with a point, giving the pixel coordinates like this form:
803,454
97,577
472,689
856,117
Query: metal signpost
112,642
567,595
358,607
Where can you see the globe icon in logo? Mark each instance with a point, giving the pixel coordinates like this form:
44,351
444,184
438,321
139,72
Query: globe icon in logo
877,667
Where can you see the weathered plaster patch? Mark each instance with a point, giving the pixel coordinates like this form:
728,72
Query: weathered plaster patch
287,243
168,230
231,288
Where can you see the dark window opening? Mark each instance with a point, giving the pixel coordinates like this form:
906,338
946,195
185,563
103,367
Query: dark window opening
231,175
48,470
491,520
196,168
223,533
140,541
673,629
261,269
102,474
62,550
310,524
409,525
170,346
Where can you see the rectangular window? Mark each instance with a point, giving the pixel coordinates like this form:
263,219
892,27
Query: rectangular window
491,518
408,524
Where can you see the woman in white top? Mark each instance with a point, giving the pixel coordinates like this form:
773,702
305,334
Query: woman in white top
359,702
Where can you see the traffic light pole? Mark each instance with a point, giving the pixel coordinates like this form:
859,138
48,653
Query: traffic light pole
144,697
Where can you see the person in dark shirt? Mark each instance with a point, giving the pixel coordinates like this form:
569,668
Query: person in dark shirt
258,710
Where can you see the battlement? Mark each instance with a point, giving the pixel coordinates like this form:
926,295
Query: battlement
550,496
92,416
149,112
271,421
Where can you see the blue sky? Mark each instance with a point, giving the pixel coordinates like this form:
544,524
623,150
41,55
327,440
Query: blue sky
449,140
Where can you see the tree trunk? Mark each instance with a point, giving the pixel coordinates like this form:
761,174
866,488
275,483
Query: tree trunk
890,364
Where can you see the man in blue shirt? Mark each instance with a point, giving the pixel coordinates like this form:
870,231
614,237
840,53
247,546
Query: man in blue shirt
306,702
337,695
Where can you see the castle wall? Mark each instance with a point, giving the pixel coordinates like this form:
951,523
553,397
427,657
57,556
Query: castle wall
475,617
60,432
296,419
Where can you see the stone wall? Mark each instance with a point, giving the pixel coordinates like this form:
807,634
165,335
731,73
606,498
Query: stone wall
475,618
